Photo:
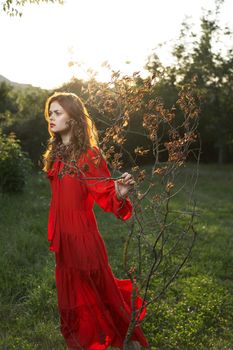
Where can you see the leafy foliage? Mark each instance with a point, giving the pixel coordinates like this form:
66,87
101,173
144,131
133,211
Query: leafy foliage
195,315
11,7
14,164
197,55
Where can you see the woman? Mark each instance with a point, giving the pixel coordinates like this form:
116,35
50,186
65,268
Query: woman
94,306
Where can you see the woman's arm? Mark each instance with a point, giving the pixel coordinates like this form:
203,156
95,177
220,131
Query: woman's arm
103,190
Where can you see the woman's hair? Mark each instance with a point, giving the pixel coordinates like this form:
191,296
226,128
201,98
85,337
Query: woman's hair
83,130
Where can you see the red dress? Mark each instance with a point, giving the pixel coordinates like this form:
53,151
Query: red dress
94,306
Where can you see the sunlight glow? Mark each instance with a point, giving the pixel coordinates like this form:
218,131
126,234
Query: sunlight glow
39,46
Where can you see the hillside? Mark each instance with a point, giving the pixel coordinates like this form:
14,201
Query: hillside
15,84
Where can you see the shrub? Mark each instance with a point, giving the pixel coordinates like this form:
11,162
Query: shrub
14,164
195,314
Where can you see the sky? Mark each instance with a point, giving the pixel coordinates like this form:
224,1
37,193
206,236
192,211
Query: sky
37,47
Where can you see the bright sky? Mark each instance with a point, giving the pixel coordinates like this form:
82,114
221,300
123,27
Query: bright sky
36,48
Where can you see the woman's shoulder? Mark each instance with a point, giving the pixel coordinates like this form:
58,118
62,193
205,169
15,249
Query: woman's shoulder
92,154
53,168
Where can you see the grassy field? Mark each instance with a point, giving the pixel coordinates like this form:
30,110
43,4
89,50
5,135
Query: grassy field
197,311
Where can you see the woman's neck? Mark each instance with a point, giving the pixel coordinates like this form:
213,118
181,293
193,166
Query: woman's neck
65,139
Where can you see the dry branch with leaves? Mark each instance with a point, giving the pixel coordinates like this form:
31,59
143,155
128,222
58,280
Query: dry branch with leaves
161,232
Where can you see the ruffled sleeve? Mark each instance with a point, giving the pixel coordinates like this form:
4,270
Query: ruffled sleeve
103,190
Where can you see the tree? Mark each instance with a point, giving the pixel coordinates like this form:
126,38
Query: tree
162,231
27,120
197,56
8,106
11,7
214,71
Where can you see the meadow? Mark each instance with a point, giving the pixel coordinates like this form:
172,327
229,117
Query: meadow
195,313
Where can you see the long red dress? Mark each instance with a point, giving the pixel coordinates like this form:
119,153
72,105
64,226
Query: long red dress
94,306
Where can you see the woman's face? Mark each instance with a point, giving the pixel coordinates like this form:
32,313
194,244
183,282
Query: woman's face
58,118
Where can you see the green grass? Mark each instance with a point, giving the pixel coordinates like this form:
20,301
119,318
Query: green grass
195,313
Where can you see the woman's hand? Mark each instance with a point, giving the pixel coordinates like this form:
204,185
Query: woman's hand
124,184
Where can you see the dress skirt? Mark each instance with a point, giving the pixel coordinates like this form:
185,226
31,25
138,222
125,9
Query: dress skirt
94,305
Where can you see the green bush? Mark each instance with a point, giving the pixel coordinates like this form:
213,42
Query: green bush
197,313
14,164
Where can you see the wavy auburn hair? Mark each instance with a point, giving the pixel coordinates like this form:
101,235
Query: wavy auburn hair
83,130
